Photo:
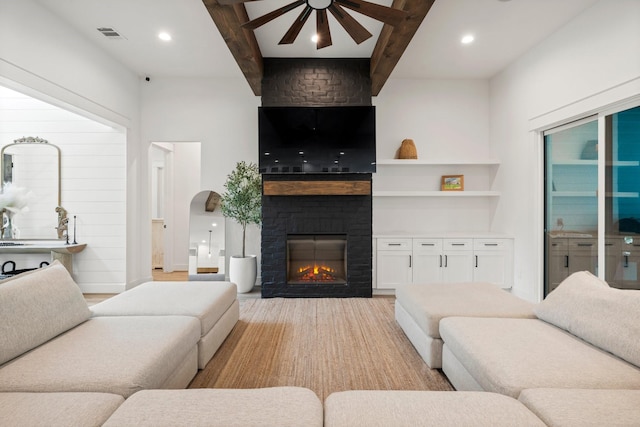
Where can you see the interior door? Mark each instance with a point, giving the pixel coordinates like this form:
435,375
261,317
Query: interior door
157,245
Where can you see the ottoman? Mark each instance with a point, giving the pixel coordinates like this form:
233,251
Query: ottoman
584,407
214,304
276,407
425,408
419,308
57,409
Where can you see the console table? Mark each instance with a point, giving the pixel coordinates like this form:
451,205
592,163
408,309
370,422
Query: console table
59,250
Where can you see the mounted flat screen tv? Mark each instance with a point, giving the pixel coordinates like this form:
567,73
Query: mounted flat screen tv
317,139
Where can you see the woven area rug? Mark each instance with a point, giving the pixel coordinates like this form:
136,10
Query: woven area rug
325,344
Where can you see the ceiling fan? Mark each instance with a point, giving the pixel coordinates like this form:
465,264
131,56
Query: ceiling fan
358,33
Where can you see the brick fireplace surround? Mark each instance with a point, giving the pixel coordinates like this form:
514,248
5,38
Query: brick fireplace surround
316,204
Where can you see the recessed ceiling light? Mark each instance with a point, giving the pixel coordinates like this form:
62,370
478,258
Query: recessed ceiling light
469,38
164,36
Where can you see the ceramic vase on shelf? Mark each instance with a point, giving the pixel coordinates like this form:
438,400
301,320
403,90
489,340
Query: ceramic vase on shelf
407,150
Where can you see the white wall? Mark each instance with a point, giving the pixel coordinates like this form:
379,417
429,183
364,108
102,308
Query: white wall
186,184
593,58
222,115
448,120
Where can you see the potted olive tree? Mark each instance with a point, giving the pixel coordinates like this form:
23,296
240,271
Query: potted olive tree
242,202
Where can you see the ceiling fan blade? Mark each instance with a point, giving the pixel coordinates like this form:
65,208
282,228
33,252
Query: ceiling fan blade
255,23
297,25
322,29
357,32
385,14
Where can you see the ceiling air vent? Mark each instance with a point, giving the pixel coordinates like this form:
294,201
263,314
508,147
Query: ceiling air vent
110,33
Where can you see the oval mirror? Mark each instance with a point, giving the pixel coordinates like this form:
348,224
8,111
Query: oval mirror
206,235
31,172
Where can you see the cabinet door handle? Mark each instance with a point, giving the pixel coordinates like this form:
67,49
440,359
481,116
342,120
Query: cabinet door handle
626,261
458,244
585,244
566,261
409,261
476,261
428,244
394,244
440,261
491,244
445,261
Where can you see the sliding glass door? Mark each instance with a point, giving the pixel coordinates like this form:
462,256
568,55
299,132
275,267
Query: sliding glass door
622,202
571,203
574,179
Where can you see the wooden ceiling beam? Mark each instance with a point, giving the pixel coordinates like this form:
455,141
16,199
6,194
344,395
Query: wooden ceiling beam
393,41
241,42
243,45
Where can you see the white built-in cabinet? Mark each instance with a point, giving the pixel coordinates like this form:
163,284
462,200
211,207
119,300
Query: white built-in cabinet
409,256
425,260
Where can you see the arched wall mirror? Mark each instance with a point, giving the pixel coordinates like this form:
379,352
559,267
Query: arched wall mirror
31,182
206,234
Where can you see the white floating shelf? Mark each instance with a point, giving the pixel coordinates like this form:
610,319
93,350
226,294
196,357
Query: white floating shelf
420,162
436,194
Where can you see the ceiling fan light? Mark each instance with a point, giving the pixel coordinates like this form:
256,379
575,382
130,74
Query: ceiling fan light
319,4
314,38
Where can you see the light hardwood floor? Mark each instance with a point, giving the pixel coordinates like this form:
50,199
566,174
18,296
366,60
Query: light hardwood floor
174,276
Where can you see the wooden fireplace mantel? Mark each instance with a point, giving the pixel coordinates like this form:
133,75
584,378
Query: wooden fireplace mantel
316,188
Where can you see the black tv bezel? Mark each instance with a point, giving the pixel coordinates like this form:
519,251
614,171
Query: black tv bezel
338,157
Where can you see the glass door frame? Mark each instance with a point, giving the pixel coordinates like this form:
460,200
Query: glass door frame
601,115
547,222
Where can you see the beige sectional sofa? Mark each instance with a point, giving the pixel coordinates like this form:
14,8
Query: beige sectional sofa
419,309
63,365
214,304
575,363
586,336
50,343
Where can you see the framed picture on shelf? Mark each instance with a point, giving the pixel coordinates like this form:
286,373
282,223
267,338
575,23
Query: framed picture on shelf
452,183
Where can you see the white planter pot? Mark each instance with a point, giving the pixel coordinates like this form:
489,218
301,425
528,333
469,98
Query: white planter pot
243,272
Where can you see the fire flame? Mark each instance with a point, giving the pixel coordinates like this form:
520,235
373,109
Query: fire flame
316,272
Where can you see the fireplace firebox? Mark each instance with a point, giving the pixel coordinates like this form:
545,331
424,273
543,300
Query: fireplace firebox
316,259
316,236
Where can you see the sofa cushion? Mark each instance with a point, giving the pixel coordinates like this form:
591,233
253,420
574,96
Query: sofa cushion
427,304
584,408
119,355
37,306
206,301
401,408
606,317
57,409
509,355
276,406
